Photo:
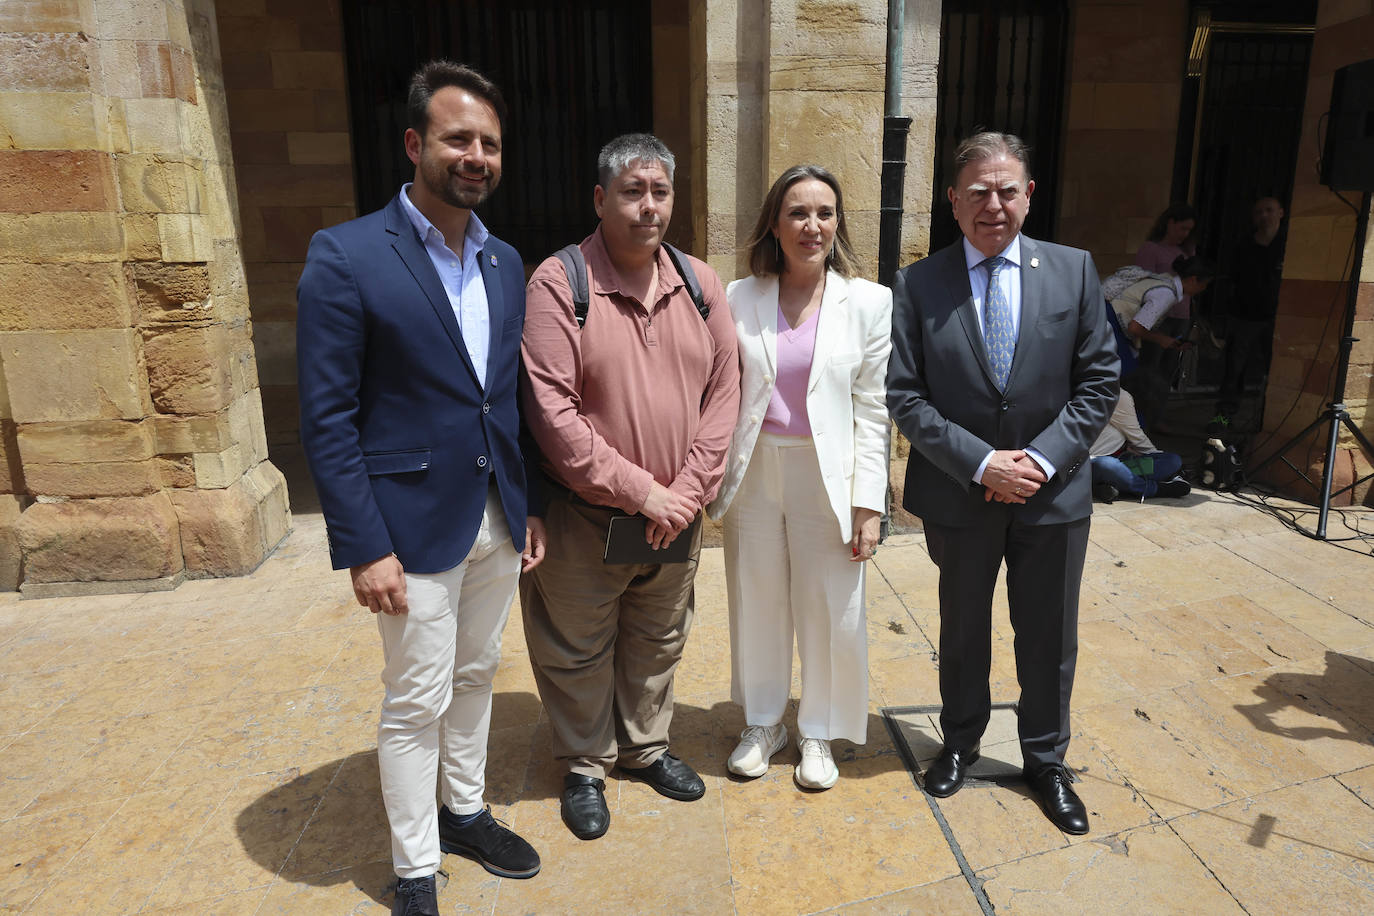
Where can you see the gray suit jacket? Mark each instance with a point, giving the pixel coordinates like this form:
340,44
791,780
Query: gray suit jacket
940,390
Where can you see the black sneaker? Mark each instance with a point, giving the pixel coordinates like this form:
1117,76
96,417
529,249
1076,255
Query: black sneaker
415,897
489,843
1173,488
1104,492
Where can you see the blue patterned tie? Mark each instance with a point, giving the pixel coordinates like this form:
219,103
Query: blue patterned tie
997,328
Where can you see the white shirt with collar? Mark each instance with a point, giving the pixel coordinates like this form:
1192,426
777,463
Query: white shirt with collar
978,277
462,279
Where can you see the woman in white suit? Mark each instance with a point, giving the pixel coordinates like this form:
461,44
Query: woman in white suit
806,476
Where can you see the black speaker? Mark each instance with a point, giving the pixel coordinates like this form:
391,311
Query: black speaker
1348,159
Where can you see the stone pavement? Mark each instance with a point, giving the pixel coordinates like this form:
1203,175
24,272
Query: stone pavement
211,750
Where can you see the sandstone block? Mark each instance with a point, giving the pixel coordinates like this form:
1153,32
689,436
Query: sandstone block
11,465
188,368
61,236
171,293
182,237
153,125
155,183
183,72
91,440
307,69
228,532
177,472
11,557
331,109
134,19
100,540
244,32
49,120
57,296
114,69
243,365
222,469
44,62
44,16
34,181
155,69
803,122
271,109
318,148
74,375
141,241
184,435
94,479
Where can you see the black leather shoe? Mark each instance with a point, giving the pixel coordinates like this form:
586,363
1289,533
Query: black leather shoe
671,777
946,773
1052,788
415,897
490,844
584,806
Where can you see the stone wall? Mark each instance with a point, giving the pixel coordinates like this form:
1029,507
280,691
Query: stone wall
288,106
130,416
1312,298
802,81
1126,67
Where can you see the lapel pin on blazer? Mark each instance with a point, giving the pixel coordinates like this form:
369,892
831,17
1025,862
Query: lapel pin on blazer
1035,262
493,260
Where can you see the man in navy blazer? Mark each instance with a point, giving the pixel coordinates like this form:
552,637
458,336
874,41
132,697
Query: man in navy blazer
1002,374
408,344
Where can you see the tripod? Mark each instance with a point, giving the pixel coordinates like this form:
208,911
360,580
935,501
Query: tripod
1335,413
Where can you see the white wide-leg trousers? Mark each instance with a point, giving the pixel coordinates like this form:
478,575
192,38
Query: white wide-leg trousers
440,661
787,568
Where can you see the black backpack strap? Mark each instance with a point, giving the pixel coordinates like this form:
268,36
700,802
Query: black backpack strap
689,277
575,266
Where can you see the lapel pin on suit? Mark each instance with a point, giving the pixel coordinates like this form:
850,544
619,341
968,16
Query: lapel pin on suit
1035,262
493,260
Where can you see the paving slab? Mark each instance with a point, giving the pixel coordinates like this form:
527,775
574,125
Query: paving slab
212,749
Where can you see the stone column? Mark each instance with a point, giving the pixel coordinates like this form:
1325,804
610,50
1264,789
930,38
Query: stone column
131,421
797,81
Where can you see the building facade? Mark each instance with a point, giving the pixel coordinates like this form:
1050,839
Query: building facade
163,164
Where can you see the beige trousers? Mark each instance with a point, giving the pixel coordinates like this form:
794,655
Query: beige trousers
604,641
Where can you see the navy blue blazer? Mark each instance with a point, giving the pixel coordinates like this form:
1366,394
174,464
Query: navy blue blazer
400,434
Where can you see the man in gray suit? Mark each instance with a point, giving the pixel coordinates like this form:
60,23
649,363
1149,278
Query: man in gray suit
1002,374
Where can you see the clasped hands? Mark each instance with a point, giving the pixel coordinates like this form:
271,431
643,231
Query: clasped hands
1012,476
669,513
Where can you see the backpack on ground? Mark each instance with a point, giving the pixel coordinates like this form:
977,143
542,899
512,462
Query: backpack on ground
575,266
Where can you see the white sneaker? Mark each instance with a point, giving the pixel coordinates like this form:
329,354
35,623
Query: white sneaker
817,769
756,744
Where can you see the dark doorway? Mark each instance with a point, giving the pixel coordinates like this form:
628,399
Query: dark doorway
574,75
1001,68
1241,121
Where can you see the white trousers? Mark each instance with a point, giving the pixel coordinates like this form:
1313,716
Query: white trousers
440,661
786,567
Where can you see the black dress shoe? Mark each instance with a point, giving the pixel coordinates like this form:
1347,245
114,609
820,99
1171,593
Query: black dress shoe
671,777
490,844
1053,789
946,774
584,806
415,897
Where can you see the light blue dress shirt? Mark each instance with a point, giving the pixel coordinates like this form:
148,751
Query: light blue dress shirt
1011,285
462,279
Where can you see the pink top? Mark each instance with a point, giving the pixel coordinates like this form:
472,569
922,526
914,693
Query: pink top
1158,258
786,414
641,393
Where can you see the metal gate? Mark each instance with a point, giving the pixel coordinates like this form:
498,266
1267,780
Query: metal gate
574,75
1001,68
1240,125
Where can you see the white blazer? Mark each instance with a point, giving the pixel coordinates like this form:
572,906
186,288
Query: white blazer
845,394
